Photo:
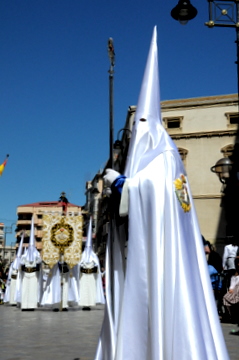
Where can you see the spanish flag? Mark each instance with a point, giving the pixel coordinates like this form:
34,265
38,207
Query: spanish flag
2,166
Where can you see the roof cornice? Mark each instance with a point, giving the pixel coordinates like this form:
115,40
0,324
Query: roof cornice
209,101
201,134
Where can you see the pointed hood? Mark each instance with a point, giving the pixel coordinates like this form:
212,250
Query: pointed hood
32,252
88,254
89,235
17,261
148,133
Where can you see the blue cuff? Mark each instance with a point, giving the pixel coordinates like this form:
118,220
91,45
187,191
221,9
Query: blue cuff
118,184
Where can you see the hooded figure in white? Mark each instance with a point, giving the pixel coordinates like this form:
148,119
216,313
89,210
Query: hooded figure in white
15,275
31,275
90,287
166,307
61,290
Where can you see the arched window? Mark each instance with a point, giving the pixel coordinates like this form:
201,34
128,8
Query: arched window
183,153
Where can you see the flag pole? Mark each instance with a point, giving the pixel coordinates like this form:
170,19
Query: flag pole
111,54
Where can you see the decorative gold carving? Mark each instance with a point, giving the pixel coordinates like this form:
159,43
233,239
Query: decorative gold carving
62,235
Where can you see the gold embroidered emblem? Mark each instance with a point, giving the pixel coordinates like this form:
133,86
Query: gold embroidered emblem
62,234
182,192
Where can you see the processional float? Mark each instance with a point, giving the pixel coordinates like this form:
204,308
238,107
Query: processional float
62,238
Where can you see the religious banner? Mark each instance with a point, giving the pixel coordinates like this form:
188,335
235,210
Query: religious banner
62,235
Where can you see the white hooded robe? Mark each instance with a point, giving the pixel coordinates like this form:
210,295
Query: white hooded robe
168,309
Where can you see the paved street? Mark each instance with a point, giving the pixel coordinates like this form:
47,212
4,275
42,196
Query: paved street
48,335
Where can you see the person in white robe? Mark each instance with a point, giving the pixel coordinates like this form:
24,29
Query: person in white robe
30,275
45,274
165,305
91,286
61,289
15,267
8,284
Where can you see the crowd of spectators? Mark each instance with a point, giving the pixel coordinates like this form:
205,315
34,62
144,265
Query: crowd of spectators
224,275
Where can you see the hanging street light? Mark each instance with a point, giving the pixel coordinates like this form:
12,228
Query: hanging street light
184,11
223,169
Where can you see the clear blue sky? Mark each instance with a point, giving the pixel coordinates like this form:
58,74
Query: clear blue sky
54,103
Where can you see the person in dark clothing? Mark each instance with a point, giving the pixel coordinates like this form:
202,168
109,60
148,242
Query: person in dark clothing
214,261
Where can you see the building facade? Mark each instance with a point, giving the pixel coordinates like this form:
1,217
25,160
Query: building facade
7,252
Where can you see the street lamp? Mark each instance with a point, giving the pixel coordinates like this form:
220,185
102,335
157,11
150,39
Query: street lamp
222,13
223,169
184,11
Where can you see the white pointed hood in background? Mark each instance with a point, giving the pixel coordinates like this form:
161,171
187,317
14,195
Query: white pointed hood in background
17,261
88,254
148,140
32,252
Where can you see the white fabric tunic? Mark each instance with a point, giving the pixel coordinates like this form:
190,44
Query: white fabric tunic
31,283
56,295
88,284
8,284
13,286
229,255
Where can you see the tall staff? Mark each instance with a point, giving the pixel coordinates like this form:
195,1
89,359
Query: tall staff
111,54
64,202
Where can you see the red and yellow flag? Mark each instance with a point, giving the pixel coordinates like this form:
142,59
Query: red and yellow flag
2,166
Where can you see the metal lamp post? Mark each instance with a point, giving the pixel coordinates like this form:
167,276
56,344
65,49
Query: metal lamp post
222,13
111,54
